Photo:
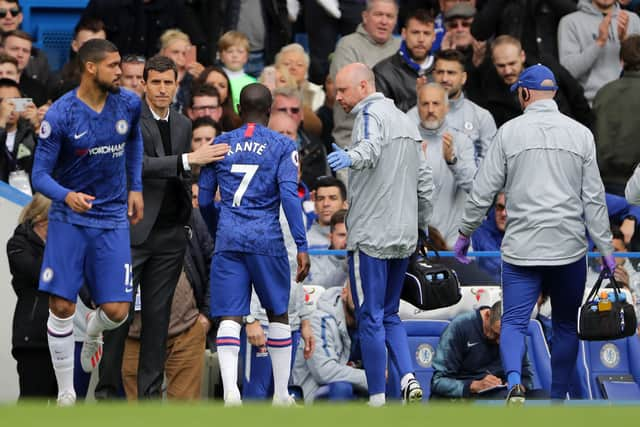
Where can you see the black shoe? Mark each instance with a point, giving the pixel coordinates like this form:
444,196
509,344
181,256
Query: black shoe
516,396
412,393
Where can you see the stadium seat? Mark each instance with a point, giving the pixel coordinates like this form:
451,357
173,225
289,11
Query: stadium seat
610,369
51,22
539,356
423,336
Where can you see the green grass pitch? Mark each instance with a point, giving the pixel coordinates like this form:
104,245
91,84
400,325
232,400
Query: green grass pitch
214,415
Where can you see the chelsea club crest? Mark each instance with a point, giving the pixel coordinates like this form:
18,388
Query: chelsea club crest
122,127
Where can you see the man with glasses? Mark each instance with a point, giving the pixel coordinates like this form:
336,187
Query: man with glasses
132,67
205,102
457,22
467,361
313,155
440,29
10,20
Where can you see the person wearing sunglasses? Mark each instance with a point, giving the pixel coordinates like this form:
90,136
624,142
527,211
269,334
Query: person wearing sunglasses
457,22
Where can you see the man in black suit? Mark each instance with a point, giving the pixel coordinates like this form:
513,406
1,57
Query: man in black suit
158,243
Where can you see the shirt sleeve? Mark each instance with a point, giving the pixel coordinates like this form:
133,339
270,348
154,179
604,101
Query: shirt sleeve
288,183
50,140
367,149
207,185
464,171
425,192
134,149
593,201
632,190
489,180
447,364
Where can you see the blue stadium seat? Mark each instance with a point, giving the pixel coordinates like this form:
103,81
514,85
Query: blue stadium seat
423,336
539,356
610,369
51,22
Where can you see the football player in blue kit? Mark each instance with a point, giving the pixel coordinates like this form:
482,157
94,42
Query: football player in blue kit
259,173
89,163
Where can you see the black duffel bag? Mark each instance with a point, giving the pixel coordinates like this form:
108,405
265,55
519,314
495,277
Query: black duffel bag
429,285
595,325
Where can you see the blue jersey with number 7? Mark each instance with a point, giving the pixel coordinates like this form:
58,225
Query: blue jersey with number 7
260,163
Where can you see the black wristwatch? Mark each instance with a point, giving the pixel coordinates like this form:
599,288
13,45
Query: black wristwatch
453,161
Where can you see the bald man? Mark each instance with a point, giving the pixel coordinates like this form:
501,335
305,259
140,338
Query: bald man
546,164
283,124
259,174
390,189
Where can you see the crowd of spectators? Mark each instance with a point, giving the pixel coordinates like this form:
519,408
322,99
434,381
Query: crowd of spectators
448,64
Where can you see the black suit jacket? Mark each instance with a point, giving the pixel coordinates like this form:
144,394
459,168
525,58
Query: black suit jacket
159,167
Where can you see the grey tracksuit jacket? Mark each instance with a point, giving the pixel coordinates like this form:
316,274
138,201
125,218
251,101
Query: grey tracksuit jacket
390,183
593,66
546,163
451,182
470,119
632,190
333,347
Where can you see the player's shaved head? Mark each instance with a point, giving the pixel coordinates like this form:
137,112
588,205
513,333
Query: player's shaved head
356,73
354,82
95,51
255,103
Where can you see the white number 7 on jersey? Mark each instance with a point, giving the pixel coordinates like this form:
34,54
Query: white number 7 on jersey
249,171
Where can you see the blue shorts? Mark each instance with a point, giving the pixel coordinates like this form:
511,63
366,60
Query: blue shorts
232,274
99,257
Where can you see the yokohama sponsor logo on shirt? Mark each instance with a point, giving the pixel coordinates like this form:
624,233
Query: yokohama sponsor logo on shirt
116,150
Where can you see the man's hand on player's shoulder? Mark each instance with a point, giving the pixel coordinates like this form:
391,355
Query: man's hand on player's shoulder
79,202
208,153
135,208
303,266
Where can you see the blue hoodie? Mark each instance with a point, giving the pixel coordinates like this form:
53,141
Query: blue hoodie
488,238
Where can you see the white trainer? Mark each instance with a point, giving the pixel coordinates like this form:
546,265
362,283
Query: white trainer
91,352
66,399
232,400
287,402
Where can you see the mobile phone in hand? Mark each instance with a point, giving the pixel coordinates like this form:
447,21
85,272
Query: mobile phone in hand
21,104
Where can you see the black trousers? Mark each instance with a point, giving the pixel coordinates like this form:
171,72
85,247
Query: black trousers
323,31
35,373
156,267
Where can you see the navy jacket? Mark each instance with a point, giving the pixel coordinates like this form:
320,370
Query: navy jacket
464,355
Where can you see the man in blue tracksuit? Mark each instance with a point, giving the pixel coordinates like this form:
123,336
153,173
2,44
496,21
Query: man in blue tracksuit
546,163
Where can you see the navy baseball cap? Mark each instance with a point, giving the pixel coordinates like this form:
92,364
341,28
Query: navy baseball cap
532,78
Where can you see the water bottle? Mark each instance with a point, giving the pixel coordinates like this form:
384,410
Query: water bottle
604,304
